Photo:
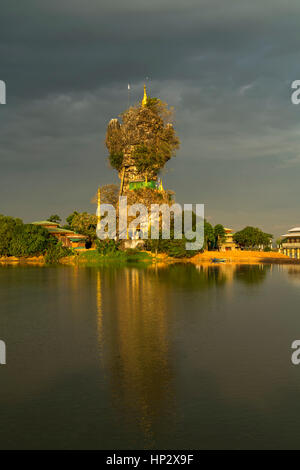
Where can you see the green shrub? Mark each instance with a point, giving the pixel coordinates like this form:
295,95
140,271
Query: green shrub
107,247
29,240
8,227
55,252
173,248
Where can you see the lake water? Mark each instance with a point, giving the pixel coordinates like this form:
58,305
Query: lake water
150,357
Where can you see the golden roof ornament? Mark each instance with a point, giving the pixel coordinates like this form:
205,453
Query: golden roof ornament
99,206
145,98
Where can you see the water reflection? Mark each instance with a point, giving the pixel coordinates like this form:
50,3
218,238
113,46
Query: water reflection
178,356
227,273
133,337
135,312
294,274
192,277
252,274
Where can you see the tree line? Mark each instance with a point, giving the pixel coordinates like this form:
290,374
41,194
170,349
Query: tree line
26,240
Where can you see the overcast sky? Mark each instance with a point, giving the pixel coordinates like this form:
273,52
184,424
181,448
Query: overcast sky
225,65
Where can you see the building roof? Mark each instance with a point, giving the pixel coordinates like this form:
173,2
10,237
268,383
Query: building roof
68,233
78,236
45,222
60,230
293,232
55,228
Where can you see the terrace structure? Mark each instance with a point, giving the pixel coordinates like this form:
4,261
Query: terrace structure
291,243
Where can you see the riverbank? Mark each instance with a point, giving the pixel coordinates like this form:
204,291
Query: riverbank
86,258
38,260
245,257
92,258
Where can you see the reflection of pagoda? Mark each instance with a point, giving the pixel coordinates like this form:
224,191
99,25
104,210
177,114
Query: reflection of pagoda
134,344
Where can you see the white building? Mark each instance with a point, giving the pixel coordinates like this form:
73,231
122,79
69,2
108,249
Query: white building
291,243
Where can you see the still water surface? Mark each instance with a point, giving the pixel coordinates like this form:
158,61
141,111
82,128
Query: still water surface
143,357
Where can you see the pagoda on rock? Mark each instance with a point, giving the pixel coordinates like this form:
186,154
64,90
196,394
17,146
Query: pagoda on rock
141,144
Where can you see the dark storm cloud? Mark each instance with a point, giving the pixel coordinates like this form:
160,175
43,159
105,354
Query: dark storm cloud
83,44
225,65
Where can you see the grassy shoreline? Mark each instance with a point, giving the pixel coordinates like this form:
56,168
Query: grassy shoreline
93,258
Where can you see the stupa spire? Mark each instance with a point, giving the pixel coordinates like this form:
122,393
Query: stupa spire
145,98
